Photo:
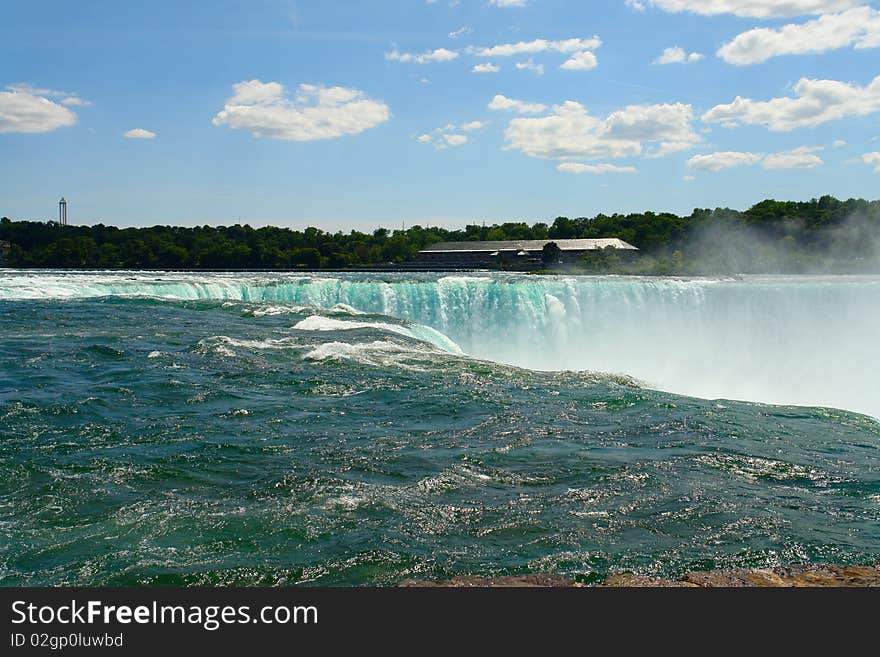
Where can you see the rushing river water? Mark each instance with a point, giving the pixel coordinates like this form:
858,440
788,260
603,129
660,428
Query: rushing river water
167,428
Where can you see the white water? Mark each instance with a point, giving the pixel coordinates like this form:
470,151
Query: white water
415,331
809,341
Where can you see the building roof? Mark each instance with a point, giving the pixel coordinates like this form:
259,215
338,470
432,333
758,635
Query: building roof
527,245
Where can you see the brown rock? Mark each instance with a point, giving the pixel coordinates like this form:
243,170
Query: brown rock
792,576
813,575
627,580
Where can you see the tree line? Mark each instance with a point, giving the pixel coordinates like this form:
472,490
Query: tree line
823,234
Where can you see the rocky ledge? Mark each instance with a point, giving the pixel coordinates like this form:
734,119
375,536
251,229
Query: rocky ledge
816,575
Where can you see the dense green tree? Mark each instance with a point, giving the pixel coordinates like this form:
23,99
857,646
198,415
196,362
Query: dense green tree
823,234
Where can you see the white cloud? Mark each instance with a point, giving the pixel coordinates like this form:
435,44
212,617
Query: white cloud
872,158
431,56
598,169
455,140
570,132
799,158
674,55
449,136
839,143
23,87
508,3
815,102
76,101
66,98
255,92
488,67
26,109
139,133
581,61
667,147
751,8
316,112
530,65
579,50
459,33
724,160
857,27
803,157
536,46
677,55
504,104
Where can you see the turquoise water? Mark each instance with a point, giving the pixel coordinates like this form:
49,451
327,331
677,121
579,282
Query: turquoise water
361,429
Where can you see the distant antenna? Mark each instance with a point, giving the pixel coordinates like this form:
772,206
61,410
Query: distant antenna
62,212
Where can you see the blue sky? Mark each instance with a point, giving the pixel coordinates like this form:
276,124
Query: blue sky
360,114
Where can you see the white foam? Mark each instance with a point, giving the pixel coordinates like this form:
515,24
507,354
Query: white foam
416,332
223,343
378,353
278,310
321,323
348,310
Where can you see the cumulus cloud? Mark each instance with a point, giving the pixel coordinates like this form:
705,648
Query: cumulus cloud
139,133
839,143
597,169
872,158
64,97
570,132
508,3
566,46
29,110
450,135
504,104
581,61
488,67
724,160
677,55
429,57
751,8
858,27
316,112
530,65
799,158
815,102
579,51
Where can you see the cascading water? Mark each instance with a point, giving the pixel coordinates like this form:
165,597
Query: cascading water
351,429
807,341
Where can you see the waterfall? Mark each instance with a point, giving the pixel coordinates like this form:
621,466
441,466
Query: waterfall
785,340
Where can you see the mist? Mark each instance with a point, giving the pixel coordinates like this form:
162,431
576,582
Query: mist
725,243
806,341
